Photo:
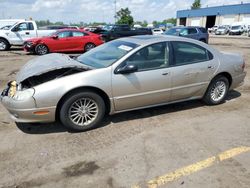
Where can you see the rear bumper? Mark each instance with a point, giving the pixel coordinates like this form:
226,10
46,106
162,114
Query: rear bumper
238,80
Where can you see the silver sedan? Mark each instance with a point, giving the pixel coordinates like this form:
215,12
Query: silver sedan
125,74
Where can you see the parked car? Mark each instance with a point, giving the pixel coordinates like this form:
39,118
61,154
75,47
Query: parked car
236,30
122,30
157,31
20,32
198,33
121,75
222,30
213,29
65,40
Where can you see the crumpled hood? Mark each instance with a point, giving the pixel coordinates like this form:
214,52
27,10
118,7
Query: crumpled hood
47,63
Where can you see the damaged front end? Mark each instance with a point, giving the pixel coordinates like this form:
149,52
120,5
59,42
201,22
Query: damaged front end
48,76
19,96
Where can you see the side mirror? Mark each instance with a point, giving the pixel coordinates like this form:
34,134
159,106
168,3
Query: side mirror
127,69
55,36
15,29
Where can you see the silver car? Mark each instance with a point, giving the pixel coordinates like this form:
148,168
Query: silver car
125,74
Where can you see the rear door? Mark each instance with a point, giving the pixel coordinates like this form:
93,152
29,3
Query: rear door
192,69
78,40
149,85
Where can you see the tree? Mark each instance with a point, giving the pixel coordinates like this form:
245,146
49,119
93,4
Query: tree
196,4
124,17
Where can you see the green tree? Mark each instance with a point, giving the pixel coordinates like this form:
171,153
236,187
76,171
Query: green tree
124,17
196,4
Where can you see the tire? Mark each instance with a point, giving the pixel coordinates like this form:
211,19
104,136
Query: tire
41,49
89,46
217,91
4,45
82,119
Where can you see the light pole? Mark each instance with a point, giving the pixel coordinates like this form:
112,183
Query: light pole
115,11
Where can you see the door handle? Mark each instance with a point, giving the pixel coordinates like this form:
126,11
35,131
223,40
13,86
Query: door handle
210,67
27,33
165,73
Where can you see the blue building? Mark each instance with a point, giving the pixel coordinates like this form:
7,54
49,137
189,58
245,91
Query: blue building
210,16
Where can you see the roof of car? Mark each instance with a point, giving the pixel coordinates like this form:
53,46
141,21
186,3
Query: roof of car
184,27
70,29
148,39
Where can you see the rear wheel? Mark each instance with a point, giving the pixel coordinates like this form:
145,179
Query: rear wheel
82,111
217,91
41,49
4,45
89,46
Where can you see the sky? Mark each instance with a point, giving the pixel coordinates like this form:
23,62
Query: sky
75,11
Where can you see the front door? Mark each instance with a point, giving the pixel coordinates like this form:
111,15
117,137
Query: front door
150,85
22,32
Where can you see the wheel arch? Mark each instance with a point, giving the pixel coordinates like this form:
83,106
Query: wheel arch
227,75
6,40
80,89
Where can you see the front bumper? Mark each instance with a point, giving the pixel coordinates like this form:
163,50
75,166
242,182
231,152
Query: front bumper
25,111
28,47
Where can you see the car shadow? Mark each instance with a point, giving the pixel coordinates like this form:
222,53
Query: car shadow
57,127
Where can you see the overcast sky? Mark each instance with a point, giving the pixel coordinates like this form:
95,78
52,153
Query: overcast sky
97,10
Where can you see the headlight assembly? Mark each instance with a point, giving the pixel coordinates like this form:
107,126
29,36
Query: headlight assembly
23,95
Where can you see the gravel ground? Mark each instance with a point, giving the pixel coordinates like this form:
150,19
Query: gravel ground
133,147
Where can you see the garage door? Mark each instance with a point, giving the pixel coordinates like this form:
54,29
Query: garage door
195,22
246,19
228,20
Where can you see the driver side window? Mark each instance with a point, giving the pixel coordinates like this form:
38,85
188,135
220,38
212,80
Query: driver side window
22,27
64,34
155,56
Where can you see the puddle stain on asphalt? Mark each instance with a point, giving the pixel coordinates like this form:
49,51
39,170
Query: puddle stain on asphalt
78,169
81,168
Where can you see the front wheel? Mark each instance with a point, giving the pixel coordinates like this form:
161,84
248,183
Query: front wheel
41,49
217,91
4,45
82,111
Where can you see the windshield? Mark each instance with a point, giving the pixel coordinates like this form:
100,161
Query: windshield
222,27
173,31
106,54
236,27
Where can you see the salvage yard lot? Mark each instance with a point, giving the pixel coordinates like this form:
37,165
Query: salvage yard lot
132,148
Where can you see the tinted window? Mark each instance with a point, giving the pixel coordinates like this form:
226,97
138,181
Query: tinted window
31,27
64,34
151,57
77,34
187,53
173,31
184,32
203,30
192,31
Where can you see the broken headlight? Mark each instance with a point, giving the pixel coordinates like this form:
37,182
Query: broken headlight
23,95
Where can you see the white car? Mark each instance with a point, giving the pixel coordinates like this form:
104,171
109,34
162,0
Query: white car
157,31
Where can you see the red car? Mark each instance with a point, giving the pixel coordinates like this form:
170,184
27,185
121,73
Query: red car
65,40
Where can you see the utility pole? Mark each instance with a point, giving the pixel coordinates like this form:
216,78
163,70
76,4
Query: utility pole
115,11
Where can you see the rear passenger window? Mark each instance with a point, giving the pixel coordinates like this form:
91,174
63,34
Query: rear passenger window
192,31
77,34
188,53
203,30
